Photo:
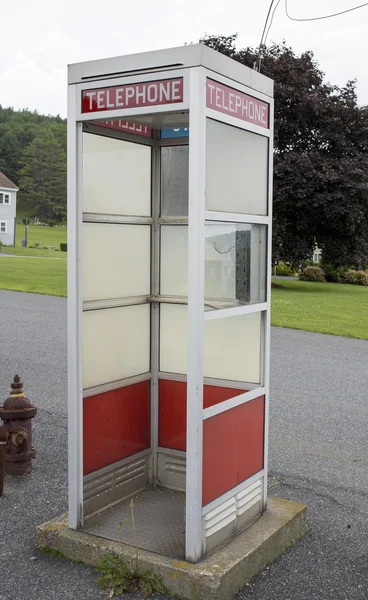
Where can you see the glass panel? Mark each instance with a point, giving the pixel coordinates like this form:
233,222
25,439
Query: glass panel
174,260
174,181
116,260
116,344
173,338
235,264
116,176
232,348
236,170
232,345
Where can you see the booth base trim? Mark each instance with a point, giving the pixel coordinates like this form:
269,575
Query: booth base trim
219,576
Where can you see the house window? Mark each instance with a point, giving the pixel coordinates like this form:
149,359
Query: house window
2,226
4,198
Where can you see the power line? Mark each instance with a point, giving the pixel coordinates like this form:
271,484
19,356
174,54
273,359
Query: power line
266,29
266,21
257,62
343,12
271,21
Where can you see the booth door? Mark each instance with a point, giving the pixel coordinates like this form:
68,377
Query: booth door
116,278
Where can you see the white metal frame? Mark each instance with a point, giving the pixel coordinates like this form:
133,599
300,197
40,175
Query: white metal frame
196,240
194,78
236,218
155,308
217,409
263,308
75,312
267,332
198,217
246,309
115,385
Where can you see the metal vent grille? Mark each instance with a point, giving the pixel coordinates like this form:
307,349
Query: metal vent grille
248,497
233,514
172,470
109,485
220,517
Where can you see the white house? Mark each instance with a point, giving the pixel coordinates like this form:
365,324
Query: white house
8,210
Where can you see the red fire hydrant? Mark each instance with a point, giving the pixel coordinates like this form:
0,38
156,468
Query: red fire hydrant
3,440
17,414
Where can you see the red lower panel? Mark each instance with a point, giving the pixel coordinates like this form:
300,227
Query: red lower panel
232,448
115,425
173,410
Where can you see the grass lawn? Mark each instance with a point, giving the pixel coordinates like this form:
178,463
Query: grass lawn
320,307
33,252
44,236
38,275
333,308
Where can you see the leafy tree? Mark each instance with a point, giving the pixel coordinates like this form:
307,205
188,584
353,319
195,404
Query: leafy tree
43,176
18,129
320,159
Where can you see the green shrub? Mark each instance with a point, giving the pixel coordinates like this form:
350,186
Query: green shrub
284,270
119,577
312,274
333,274
356,277
63,247
308,262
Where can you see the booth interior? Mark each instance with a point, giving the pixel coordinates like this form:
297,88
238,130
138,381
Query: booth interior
135,306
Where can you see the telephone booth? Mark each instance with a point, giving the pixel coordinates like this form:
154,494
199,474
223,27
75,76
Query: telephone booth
169,235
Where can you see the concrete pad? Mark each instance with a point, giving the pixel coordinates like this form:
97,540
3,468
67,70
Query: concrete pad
219,576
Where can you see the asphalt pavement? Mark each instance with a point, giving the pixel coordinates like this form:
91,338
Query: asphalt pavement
318,455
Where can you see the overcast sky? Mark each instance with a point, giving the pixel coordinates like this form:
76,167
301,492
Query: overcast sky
40,37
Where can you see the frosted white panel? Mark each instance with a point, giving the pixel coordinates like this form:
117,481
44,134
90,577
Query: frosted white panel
173,338
174,260
116,261
232,346
116,344
116,176
174,181
236,170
